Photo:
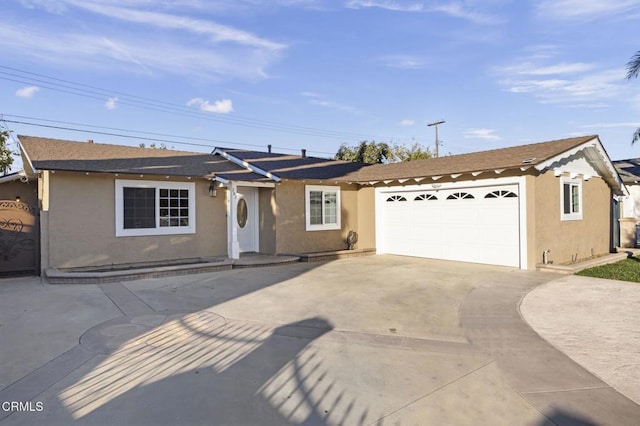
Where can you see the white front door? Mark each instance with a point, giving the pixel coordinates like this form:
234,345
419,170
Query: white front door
246,218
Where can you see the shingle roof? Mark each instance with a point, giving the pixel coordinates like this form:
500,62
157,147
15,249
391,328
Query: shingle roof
294,166
629,170
56,154
497,159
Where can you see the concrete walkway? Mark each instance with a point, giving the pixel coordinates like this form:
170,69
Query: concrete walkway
594,321
371,340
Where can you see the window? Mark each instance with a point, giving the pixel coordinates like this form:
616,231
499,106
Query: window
154,208
571,201
501,194
425,197
322,208
395,198
460,196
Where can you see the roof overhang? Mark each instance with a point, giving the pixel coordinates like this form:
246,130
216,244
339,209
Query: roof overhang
30,170
11,177
597,157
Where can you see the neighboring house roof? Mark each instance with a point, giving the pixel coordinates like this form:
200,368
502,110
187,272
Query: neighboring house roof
10,177
285,166
62,155
629,170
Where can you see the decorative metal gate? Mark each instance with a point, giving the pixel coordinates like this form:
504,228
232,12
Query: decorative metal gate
19,238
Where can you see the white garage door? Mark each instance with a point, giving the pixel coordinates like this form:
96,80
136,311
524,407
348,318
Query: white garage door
478,225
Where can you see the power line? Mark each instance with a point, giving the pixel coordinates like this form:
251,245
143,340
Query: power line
143,138
93,92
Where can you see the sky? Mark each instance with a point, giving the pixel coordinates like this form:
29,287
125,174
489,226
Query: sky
294,74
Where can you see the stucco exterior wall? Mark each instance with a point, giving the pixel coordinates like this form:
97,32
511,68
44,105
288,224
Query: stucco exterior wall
572,239
79,228
366,217
27,192
267,218
532,250
630,216
291,235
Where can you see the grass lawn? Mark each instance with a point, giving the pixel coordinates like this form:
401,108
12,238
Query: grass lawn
625,270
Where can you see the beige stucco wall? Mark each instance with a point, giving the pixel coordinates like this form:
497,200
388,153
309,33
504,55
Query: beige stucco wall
267,218
629,216
79,225
27,192
366,217
530,214
291,235
579,239
628,232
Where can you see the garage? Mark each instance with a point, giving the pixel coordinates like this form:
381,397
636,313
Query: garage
469,224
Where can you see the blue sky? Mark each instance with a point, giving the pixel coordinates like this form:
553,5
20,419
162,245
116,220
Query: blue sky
314,74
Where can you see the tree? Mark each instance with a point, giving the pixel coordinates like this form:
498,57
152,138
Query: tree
365,152
153,146
380,152
633,66
633,70
415,152
6,156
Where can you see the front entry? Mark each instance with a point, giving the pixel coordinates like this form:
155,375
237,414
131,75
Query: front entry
246,219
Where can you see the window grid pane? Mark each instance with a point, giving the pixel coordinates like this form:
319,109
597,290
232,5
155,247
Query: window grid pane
315,207
575,199
330,208
566,197
177,213
139,208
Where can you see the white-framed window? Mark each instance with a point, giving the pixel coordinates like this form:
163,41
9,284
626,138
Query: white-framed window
570,199
154,208
322,207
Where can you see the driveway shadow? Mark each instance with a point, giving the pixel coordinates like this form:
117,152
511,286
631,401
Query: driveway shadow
195,372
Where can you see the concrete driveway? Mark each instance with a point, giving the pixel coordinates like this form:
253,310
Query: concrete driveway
370,340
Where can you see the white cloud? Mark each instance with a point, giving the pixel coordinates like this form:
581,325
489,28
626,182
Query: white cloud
181,45
403,61
571,84
111,103
486,134
397,6
223,106
630,124
320,100
27,92
585,9
216,32
407,122
528,68
455,9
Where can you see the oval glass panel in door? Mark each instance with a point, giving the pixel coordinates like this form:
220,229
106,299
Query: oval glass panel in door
242,213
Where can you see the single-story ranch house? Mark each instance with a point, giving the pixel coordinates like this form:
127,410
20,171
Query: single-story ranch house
103,204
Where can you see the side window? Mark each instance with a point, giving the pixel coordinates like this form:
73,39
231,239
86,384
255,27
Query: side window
570,199
322,207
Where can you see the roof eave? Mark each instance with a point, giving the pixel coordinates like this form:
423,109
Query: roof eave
597,156
30,170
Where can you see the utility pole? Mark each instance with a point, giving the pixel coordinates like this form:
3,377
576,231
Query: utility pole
435,123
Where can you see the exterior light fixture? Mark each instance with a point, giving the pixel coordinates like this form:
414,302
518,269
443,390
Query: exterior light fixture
17,198
212,189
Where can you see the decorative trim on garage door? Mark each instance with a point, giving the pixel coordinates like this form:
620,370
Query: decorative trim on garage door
475,221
